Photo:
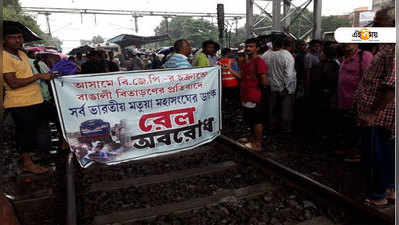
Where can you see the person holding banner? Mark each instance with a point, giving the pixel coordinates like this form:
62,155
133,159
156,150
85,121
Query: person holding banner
253,81
23,99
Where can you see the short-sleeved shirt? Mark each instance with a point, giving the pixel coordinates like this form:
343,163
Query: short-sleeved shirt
177,61
250,81
23,96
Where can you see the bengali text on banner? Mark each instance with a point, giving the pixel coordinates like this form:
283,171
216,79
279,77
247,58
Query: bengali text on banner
117,117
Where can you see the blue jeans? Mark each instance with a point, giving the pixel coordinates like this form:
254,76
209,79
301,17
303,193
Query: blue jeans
378,160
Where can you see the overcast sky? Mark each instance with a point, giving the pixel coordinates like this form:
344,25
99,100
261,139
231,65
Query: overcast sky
68,27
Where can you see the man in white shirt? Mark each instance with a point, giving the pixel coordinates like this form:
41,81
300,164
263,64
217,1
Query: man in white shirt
282,77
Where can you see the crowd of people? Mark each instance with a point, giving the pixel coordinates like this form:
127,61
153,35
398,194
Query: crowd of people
283,85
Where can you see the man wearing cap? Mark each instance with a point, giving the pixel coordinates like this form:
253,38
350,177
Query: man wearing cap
23,99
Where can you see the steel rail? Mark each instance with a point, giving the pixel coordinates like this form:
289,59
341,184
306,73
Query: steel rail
296,178
310,184
71,218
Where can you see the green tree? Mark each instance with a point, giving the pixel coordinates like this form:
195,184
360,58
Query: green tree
194,30
331,23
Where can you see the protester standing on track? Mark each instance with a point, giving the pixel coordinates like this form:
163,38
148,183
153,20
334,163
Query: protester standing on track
354,65
253,81
282,77
23,99
311,58
375,104
229,81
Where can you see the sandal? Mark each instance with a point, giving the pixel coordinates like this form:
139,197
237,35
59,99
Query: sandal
253,147
352,159
374,204
34,169
243,140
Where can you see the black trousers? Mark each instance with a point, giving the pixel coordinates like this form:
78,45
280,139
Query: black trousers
32,131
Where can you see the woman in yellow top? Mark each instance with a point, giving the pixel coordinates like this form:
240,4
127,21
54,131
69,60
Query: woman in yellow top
23,99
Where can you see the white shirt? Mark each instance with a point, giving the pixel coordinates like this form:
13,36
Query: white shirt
281,70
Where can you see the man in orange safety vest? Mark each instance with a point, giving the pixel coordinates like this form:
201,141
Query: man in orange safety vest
227,60
229,81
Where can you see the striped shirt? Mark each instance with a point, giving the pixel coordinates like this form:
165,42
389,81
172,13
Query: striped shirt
177,61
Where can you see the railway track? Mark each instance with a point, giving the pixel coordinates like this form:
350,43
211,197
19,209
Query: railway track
39,199
219,183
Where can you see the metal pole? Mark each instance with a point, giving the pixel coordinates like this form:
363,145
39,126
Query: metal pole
250,14
221,23
71,199
230,38
48,24
236,19
136,24
276,15
166,24
287,22
316,19
167,28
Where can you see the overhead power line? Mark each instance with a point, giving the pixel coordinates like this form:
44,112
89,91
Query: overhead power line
44,10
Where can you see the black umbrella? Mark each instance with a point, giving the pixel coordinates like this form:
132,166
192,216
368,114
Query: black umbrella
125,40
28,35
82,49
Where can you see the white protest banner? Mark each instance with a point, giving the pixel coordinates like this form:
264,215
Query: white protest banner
117,117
